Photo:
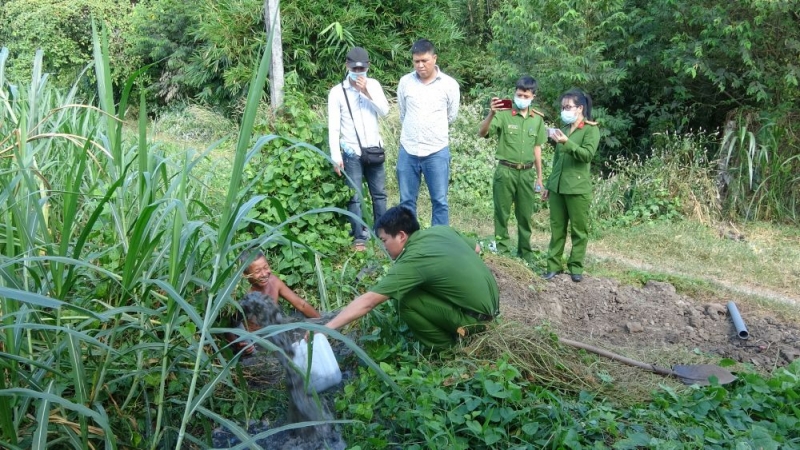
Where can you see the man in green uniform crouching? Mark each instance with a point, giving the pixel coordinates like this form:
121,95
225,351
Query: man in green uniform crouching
442,286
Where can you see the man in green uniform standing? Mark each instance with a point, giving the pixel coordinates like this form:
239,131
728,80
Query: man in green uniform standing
521,133
442,286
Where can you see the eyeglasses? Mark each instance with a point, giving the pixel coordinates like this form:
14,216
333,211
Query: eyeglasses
358,69
568,107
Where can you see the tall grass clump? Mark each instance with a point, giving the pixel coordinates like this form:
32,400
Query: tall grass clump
113,273
759,162
676,181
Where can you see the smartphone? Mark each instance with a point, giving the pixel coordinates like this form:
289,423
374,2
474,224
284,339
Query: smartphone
505,103
551,132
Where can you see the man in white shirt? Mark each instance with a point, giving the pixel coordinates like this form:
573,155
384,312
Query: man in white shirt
354,106
428,101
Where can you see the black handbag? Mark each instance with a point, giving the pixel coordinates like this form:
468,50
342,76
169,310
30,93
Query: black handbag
370,156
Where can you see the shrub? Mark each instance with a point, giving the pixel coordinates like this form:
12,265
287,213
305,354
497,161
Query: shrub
63,29
677,180
296,176
759,161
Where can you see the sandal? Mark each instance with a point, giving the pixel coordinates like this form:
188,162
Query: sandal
359,246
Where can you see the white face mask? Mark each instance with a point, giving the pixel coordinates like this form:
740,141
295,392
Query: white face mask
522,103
568,117
354,75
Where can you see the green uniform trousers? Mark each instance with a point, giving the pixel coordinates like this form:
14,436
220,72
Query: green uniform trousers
568,210
433,321
517,187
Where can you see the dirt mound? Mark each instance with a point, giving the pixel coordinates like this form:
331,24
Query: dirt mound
644,321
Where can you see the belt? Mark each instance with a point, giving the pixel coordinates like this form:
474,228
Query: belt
518,166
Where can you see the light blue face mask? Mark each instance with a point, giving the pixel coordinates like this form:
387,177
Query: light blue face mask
354,75
522,103
568,117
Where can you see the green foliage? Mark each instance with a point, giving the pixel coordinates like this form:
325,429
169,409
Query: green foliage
760,162
692,63
460,405
231,35
566,43
62,28
295,176
676,181
114,273
208,50
569,44
162,35
730,46
473,162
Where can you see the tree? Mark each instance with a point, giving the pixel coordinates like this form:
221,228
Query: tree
62,29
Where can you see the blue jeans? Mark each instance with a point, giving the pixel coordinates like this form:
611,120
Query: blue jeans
376,182
436,169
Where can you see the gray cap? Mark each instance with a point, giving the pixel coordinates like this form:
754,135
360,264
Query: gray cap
357,57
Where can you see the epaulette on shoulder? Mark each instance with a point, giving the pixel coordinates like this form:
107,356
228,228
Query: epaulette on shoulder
536,111
591,122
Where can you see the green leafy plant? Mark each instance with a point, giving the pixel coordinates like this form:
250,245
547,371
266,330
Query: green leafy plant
294,175
676,181
64,29
759,164
114,271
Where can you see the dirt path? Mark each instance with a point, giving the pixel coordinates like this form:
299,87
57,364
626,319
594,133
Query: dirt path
645,321
738,288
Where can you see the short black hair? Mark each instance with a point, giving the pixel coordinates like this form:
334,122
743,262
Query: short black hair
423,46
527,83
397,219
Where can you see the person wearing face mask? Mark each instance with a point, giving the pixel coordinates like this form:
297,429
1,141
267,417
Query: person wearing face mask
569,188
520,134
354,106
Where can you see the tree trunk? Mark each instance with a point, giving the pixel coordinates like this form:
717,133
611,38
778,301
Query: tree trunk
272,9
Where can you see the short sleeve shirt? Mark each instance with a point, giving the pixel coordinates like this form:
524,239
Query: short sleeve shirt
517,135
442,263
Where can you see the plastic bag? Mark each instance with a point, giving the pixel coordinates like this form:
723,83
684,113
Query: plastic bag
325,372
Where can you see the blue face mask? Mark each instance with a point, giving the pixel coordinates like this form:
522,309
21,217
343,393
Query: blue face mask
522,103
354,75
568,117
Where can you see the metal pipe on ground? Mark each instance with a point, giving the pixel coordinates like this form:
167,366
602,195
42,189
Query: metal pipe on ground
738,323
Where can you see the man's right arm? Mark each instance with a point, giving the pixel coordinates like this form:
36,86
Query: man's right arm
483,129
401,99
334,128
356,309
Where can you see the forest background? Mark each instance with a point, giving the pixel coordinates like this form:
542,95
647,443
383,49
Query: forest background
698,104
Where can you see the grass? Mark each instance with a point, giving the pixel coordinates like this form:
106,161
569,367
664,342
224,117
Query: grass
115,265
765,264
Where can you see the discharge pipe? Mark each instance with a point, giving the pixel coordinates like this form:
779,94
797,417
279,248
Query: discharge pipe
741,329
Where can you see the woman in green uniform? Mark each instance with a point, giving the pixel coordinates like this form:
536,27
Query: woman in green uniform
569,188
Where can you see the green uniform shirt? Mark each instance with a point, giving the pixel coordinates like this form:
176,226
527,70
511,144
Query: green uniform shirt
442,263
572,159
517,135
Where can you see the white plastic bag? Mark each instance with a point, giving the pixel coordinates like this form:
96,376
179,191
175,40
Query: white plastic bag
325,371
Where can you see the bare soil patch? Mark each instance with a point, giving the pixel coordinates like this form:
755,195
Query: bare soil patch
644,321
